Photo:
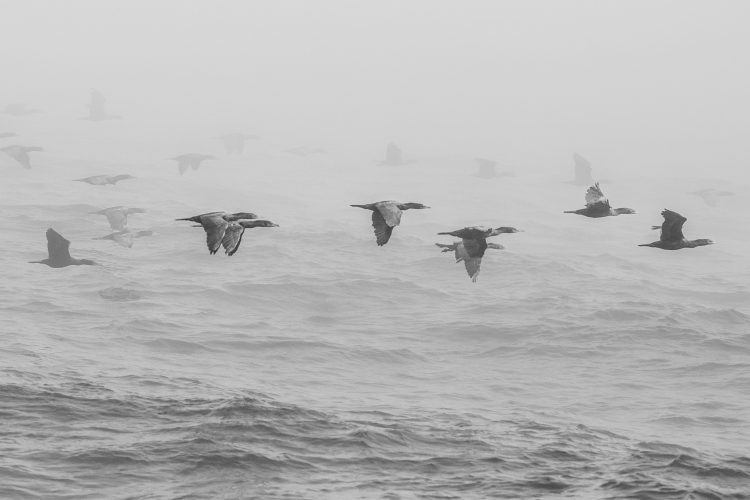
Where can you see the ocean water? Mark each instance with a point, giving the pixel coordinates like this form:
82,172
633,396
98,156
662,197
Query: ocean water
314,364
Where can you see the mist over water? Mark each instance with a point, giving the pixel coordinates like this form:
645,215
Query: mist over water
315,364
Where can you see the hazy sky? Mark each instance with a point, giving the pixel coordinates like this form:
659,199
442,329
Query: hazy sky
632,84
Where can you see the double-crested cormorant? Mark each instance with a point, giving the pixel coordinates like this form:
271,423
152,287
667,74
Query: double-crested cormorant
671,234
386,215
103,180
21,153
598,206
582,170
191,160
473,245
227,229
97,110
711,196
235,143
125,238
59,254
19,109
304,151
118,216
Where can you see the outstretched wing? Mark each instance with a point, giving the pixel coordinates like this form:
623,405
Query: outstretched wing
382,229
595,198
118,218
582,168
183,164
671,228
215,227
57,246
232,238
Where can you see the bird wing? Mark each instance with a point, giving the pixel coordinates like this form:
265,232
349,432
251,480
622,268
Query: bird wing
118,218
23,158
124,238
57,246
382,229
390,212
595,196
393,154
232,238
671,228
472,265
195,162
183,164
215,227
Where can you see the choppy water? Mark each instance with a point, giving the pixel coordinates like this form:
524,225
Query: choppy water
314,364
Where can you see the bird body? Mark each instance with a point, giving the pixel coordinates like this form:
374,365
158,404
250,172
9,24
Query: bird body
386,215
191,160
671,237
59,253
125,238
118,216
223,229
597,205
21,153
235,143
473,244
103,180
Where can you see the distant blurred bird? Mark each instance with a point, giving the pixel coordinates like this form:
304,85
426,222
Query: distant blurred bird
191,160
473,245
393,156
59,254
386,215
582,171
118,216
97,110
711,196
21,153
304,151
4,135
19,109
223,229
102,180
235,143
671,237
598,206
125,238
487,169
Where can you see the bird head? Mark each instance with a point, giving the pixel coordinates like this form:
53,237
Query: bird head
503,229
621,211
410,205
257,223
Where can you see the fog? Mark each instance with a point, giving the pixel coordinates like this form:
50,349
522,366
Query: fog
637,87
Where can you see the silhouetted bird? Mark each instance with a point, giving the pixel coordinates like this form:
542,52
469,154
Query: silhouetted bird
125,238
97,110
711,196
582,171
191,160
598,206
5,135
59,254
304,151
223,229
118,216
671,234
474,243
102,180
235,143
386,215
21,153
19,109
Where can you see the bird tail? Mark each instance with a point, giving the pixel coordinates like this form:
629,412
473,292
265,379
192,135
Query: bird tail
449,234
570,212
645,245
360,206
655,227
191,219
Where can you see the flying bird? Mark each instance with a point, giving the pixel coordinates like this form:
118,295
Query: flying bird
671,237
21,153
386,215
191,160
597,205
304,151
19,109
103,180
118,216
582,169
59,254
5,135
235,143
393,156
473,244
223,229
125,238
711,196
97,110
487,169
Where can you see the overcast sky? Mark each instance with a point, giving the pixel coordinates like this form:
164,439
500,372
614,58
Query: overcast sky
633,84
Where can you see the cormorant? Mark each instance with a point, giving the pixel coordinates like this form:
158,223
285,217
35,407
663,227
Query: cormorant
19,109
59,254
21,153
235,143
227,229
582,171
711,196
191,160
598,206
125,238
103,180
97,111
386,215
118,216
474,242
671,234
